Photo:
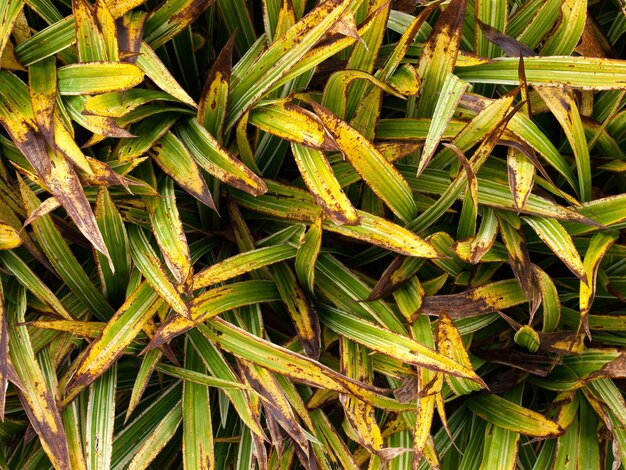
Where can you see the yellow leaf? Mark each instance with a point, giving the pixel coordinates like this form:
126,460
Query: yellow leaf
320,179
9,238
380,175
450,344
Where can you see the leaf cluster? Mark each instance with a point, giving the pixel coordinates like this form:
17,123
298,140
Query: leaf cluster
294,234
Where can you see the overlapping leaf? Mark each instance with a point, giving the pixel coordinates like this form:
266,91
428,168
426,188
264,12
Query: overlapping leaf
357,179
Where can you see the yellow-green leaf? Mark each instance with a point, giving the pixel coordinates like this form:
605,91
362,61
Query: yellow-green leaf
586,73
9,238
382,177
169,234
570,28
283,361
386,342
42,81
281,56
559,241
150,266
90,42
439,55
241,264
97,77
338,88
171,18
508,415
275,402
213,302
38,400
293,123
599,245
175,160
566,111
215,159
214,100
319,178
521,174
119,332
9,11
82,329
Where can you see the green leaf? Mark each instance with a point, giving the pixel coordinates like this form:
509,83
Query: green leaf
114,235
219,367
237,20
501,445
148,364
391,344
64,261
213,302
100,416
306,256
281,56
145,133
150,266
549,300
439,55
198,447
450,94
4,352
570,27
508,415
299,307
38,399
25,276
8,12
343,288
74,438
163,413
489,124
492,13
282,361
586,73
47,42
565,110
